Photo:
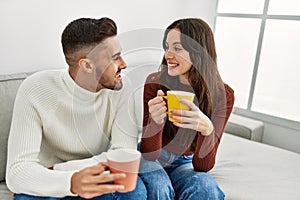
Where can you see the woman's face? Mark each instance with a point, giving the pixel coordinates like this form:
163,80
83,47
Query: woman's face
178,59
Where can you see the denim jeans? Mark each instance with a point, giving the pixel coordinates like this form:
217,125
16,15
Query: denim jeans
139,193
173,177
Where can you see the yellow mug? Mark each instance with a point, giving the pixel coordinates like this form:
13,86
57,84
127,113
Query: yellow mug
173,101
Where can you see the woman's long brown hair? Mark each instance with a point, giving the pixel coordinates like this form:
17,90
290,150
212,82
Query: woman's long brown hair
204,78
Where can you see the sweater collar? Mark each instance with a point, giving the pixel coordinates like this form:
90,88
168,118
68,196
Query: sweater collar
77,91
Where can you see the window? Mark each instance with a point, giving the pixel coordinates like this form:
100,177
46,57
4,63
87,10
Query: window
257,46
236,34
235,6
277,89
286,7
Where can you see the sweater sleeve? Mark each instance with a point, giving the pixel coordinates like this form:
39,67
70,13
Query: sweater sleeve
207,146
77,165
24,173
151,142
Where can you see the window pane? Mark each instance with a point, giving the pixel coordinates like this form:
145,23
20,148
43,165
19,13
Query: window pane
241,6
277,87
236,43
286,7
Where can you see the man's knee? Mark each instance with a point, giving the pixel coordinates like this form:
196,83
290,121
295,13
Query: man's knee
29,197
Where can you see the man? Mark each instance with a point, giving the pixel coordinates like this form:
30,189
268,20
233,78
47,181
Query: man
65,121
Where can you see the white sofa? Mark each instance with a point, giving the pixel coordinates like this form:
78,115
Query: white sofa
245,169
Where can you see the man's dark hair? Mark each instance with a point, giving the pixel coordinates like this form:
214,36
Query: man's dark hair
82,35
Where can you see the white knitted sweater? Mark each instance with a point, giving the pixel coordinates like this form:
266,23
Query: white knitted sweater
57,123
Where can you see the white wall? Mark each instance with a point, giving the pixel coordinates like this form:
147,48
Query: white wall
31,30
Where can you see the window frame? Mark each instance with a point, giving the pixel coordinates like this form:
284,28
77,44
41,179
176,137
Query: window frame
291,124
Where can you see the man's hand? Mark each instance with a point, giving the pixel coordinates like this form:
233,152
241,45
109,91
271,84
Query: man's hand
91,182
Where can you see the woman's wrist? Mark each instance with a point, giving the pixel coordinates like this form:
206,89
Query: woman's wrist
209,130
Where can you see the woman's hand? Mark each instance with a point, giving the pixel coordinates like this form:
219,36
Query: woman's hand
193,118
157,108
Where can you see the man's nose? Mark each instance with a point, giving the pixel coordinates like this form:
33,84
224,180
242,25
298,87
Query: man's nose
122,64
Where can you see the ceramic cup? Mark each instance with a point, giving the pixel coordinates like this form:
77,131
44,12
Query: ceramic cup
173,101
124,161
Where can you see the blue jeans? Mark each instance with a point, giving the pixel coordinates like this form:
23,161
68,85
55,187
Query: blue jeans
173,177
139,193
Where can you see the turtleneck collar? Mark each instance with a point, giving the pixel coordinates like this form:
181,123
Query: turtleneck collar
77,91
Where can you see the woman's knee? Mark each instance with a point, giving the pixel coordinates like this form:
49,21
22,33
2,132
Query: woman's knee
139,191
207,182
151,172
200,184
156,180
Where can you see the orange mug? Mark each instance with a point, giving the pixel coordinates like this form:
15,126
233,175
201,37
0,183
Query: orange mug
125,161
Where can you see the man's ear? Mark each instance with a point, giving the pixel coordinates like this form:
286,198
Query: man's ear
86,65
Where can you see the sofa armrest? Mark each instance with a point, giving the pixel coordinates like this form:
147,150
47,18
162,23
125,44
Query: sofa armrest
245,127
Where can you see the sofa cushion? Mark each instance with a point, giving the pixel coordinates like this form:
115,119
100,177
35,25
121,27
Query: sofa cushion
245,127
9,85
5,194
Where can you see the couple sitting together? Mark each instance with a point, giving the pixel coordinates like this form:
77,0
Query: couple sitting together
65,121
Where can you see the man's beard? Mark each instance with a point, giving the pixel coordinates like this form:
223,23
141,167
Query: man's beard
117,86
105,84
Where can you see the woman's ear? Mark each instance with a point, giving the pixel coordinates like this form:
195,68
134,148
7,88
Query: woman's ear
86,65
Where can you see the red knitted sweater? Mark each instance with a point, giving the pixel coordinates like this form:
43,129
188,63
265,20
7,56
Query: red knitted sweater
155,137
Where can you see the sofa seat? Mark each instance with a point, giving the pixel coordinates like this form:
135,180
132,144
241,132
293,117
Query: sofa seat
250,170
5,194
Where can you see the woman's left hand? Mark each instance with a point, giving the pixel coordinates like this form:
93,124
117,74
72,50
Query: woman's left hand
193,118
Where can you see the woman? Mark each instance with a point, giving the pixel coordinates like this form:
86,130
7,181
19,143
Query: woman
186,150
